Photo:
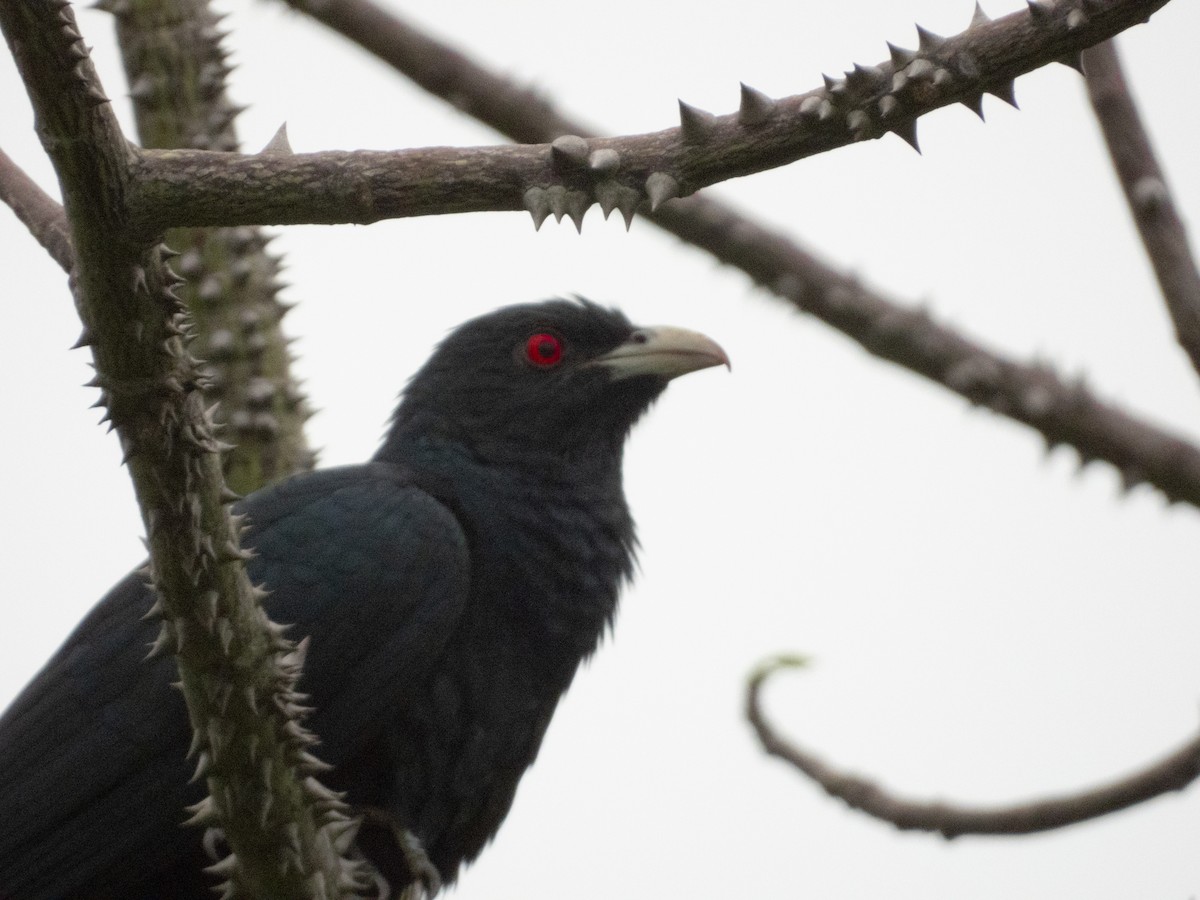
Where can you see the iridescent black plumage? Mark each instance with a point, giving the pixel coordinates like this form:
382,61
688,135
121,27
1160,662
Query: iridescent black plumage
449,590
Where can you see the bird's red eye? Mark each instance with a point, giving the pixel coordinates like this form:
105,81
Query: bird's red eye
544,350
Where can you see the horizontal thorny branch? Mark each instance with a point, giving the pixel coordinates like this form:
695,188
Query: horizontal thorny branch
172,188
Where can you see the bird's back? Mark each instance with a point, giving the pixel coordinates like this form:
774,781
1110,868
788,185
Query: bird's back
93,775
442,632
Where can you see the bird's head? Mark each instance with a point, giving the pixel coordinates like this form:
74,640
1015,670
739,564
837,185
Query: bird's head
563,377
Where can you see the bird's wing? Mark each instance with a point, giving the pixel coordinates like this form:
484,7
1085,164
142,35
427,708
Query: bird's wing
376,586
92,769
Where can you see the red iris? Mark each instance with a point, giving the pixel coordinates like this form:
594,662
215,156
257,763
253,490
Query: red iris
544,350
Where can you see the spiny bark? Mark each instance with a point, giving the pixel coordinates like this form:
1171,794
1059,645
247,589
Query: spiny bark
237,672
177,69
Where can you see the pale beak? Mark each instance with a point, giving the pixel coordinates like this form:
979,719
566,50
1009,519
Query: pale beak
663,351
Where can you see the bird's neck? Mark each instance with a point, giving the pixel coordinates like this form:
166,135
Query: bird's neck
555,531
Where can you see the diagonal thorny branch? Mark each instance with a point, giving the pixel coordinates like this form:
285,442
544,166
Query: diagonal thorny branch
1173,772
237,672
1154,213
1035,395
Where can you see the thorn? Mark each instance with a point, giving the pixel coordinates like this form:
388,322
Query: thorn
1040,11
85,339
942,78
887,105
203,765
538,205
695,124
320,792
810,106
974,104
569,150
864,78
225,636
908,131
202,813
557,196
834,88
196,744
979,17
661,187
859,123
164,643
756,107
223,869
1076,19
901,56
278,145
1131,477
309,764
1073,60
138,281
605,161
213,599
627,202
1005,93
95,96
928,41
920,68
577,205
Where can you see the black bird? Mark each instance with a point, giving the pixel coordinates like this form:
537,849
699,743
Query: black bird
449,590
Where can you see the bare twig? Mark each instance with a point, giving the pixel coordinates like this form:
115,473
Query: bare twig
1158,222
1173,772
37,210
1031,394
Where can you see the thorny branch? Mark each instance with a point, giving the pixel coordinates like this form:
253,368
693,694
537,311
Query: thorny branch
189,188
237,672
1032,394
1173,772
1158,222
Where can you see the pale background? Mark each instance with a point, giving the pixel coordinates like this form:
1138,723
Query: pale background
987,625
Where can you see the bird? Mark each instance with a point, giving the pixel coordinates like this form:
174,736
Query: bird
446,591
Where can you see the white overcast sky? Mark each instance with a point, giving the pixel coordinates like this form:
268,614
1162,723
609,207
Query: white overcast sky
987,624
